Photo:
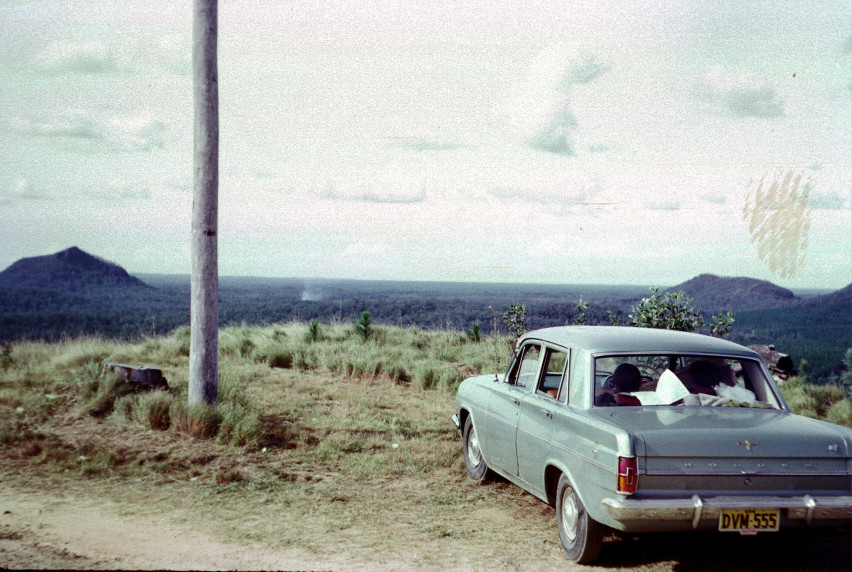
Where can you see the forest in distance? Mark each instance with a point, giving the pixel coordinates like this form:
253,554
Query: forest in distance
819,334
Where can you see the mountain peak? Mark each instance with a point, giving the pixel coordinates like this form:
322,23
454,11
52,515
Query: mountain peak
713,294
70,269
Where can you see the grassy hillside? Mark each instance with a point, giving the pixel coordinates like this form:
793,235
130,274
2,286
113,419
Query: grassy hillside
328,399
319,436
277,387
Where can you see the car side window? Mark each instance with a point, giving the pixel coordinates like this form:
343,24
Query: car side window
554,367
526,370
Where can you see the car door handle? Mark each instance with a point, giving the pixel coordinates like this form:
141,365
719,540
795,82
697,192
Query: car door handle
516,401
547,413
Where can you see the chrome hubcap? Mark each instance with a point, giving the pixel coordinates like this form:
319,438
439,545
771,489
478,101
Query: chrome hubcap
473,451
570,514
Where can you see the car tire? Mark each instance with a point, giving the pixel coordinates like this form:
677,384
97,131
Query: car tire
474,462
581,536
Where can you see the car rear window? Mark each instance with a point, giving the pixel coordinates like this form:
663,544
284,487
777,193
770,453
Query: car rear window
692,380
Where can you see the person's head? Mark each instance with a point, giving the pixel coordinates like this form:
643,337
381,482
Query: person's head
626,378
704,374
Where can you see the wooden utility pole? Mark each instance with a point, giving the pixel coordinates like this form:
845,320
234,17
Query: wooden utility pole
204,308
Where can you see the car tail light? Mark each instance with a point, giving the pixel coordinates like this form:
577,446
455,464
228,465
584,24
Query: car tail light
628,478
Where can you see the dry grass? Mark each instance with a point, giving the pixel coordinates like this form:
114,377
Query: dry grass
349,448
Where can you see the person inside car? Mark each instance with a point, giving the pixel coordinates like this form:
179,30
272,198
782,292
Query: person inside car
625,379
704,376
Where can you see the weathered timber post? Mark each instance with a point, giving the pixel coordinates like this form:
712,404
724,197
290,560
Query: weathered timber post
204,307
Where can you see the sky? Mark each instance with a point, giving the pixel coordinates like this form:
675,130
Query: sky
568,142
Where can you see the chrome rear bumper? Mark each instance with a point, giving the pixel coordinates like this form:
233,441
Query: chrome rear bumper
698,509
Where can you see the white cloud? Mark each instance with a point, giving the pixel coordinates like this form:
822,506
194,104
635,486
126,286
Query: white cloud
65,56
20,190
537,110
739,94
128,132
830,201
393,183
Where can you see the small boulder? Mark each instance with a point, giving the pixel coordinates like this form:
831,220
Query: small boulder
140,378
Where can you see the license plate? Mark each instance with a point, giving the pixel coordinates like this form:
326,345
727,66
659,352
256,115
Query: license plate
748,520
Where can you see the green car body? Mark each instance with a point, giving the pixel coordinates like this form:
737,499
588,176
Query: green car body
684,458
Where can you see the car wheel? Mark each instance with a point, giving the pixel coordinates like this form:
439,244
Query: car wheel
580,535
473,460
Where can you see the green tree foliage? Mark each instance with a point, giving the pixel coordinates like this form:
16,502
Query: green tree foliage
473,332
363,327
515,319
669,312
675,311
582,309
846,378
313,334
720,326
614,319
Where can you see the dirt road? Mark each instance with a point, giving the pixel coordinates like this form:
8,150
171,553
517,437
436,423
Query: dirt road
41,531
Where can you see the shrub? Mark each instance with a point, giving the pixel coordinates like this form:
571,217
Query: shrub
669,312
473,333
582,309
515,319
674,311
363,327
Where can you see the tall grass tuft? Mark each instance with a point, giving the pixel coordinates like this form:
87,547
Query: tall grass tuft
200,421
109,388
238,425
152,410
275,355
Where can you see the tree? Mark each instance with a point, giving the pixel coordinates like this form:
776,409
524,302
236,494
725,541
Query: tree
515,319
363,327
582,308
204,304
674,311
669,312
721,324
313,333
473,332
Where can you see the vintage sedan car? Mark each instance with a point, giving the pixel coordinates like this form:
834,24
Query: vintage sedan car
642,430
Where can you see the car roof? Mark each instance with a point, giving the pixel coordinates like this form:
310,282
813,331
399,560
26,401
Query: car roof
602,339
